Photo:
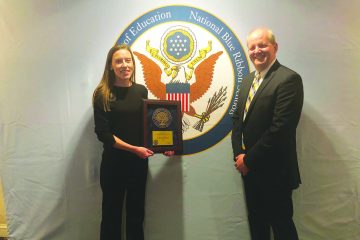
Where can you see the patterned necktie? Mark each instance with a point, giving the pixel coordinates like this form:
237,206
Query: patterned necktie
254,87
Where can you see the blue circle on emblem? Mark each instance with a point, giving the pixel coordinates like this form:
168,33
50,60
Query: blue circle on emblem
224,35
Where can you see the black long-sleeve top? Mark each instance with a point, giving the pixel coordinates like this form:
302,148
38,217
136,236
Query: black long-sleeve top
124,119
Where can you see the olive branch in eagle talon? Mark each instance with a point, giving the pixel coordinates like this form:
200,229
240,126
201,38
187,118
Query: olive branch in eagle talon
215,102
185,124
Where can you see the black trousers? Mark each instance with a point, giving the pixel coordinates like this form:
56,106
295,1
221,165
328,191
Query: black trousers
122,176
269,207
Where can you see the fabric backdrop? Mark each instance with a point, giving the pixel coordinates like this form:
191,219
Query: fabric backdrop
52,57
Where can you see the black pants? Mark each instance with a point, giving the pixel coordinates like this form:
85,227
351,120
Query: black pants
120,177
269,206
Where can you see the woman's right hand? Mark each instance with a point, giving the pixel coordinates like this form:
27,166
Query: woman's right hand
143,152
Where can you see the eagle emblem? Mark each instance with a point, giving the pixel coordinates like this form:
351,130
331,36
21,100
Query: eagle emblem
184,74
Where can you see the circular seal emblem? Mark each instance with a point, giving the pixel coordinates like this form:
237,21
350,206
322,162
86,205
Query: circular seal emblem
178,44
186,54
162,118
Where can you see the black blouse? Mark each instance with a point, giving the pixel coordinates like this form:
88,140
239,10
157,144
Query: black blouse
124,119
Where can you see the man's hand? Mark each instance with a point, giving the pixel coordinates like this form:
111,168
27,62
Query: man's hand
240,165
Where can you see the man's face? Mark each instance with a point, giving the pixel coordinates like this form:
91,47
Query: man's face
261,51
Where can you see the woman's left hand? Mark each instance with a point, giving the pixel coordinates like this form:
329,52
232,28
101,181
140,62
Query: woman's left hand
169,153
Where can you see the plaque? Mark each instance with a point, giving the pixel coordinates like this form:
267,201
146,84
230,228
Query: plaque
162,126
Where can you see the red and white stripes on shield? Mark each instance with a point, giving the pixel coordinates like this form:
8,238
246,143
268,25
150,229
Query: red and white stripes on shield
184,98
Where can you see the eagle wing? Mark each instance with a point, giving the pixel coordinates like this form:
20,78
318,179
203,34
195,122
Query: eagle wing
203,76
152,76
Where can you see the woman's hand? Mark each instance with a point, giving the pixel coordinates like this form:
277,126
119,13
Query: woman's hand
143,153
169,153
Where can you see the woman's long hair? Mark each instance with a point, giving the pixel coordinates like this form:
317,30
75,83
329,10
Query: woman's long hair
104,89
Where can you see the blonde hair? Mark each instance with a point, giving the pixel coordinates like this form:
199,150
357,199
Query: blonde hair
104,88
270,34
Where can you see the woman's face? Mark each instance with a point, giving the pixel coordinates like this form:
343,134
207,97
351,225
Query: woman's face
122,65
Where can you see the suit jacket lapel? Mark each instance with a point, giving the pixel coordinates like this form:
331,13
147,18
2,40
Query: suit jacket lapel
267,79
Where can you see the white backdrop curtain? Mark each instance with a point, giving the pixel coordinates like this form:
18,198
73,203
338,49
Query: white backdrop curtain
52,57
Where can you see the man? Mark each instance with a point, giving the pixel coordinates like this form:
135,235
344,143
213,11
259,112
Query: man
264,139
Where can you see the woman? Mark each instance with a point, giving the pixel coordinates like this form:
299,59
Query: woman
117,103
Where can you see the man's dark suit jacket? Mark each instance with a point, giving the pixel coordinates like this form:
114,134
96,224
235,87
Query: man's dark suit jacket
269,129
